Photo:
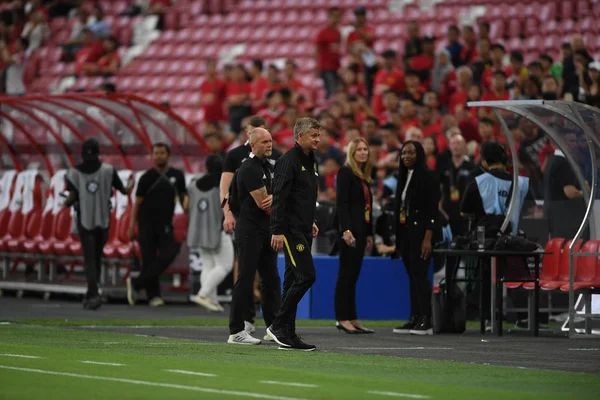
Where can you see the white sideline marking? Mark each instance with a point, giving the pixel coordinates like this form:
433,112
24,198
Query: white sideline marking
18,356
394,394
155,384
5,323
102,363
397,348
290,384
180,371
584,349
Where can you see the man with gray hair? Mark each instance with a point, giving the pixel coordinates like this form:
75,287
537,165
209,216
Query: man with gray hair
254,183
293,227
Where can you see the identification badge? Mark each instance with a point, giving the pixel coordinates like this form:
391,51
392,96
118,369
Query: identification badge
367,215
454,194
402,216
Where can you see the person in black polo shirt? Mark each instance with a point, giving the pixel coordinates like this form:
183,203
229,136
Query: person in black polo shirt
232,162
157,191
254,183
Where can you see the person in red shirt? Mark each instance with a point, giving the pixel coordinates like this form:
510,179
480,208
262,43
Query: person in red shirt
237,98
89,53
273,113
497,56
213,94
431,152
498,90
423,63
390,109
353,85
408,114
284,139
360,44
259,85
469,52
290,81
390,77
108,63
464,78
486,130
429,127
328,51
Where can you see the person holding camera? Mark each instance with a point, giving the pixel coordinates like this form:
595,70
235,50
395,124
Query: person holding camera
355,213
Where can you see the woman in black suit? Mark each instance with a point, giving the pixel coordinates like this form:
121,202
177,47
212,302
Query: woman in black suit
417,198
354,206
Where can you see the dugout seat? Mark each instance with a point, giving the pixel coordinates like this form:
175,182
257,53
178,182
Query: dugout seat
587,273
550,263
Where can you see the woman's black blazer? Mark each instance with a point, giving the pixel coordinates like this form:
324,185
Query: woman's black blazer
422,199
350,202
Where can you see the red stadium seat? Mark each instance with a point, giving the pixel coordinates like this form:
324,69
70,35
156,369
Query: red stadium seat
550,262
563,267
586,274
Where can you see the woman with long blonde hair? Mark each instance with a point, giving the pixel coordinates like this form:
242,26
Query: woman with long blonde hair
354,206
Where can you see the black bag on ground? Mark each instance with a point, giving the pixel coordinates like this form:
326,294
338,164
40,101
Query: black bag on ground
447,320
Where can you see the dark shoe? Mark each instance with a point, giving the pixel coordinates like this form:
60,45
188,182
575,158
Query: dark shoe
93,303
298,344
341,328
423,328
364,330
280,336
405,329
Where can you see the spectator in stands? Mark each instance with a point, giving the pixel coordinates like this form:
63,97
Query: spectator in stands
328,51
390,77
369,127
211,249
285,137
550,88
529,153
14,67
454,46
354,86
431,152
423,62
153,215
212,90
273,113
417,198
497,58
326,149
390,114
454,178
413,45
390,158
590,88
431,127
327,176
520,72
498,89
259,85
98,25
291,81
354,203
469,52
408,114
75,42
441,69
238,97
108,63
90,189
160,8
360,44
414,89
90,52
36,30
483,61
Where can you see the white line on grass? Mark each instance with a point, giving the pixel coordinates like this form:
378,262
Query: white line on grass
308,385
397,348
155,384
394,394
102,363
181,371
18,356
584,349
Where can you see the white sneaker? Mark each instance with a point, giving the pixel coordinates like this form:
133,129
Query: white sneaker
249,327
243,337
206,303
156,302
268,338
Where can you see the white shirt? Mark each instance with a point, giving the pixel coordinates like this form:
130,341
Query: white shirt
408,178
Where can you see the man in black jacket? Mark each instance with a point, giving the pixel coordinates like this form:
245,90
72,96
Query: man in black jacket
295,192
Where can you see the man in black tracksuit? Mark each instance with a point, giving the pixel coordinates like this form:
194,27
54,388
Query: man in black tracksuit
253,235
295,192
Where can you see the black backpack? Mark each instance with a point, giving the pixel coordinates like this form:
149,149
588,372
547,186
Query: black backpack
234,197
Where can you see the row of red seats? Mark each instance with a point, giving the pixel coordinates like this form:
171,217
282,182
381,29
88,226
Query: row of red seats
555,267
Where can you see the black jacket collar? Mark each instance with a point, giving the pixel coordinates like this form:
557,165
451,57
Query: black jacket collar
305,158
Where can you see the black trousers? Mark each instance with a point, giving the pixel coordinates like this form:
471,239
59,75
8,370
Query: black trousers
351,259
299,276
250,312
158,249
417,270
254,253
92,246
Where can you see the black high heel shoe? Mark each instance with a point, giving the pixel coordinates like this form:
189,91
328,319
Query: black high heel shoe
341,328
364,330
